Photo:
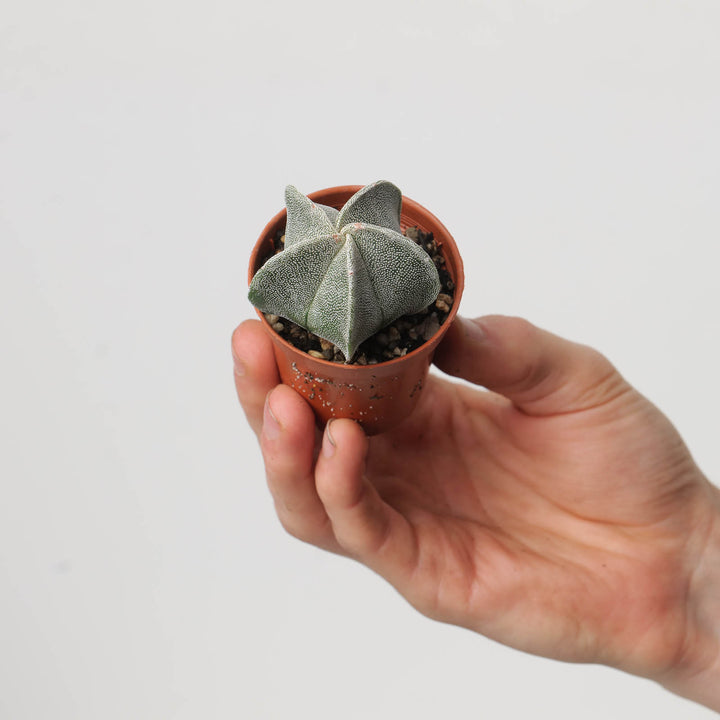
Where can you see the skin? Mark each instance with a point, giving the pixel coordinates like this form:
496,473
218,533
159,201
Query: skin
556,511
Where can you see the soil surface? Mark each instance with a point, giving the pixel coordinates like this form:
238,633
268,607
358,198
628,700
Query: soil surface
395,340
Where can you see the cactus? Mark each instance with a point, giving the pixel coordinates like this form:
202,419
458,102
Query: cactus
346,274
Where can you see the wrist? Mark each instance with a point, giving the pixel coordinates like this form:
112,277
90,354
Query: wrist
696,675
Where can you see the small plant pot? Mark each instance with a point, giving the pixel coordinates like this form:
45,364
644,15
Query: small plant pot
379,396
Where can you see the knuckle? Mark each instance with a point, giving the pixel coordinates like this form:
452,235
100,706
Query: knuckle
521,328
517,328
601,382
300,526
291,526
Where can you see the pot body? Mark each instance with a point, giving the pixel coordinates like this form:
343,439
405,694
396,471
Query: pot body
380,396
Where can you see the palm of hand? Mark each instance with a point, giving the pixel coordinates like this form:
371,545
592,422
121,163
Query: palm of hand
524,525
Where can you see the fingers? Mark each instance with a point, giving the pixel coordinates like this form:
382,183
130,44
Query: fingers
325,501
287,441
541,373
363,523
285,425
255,369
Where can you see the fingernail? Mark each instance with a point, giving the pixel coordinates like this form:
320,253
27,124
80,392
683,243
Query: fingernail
328,446
238,365
271,426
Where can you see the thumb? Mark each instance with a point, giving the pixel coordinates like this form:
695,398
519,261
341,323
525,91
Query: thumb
541,373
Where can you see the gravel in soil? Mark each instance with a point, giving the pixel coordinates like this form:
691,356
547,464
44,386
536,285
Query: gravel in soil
395,340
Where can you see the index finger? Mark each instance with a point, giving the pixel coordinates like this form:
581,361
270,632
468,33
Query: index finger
256,372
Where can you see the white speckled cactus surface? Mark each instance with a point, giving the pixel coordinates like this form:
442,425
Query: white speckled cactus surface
346,274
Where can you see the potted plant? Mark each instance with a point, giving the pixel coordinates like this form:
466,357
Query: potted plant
356,287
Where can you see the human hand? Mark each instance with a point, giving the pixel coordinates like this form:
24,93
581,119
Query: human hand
559,512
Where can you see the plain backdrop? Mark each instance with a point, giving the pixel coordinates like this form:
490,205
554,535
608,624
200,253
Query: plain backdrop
570,146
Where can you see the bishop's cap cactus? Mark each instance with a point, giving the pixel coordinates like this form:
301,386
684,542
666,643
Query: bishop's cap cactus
345,274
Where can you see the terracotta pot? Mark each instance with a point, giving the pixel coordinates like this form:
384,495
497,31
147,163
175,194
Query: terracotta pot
377,396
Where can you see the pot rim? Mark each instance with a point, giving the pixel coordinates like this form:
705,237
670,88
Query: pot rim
409,209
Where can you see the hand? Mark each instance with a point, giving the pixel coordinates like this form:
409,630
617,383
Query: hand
558,512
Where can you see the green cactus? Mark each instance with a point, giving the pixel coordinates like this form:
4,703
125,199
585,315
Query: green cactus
346,274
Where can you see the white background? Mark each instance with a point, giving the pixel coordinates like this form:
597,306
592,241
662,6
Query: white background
571,147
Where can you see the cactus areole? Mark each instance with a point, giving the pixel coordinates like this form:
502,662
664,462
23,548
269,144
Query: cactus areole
345,274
